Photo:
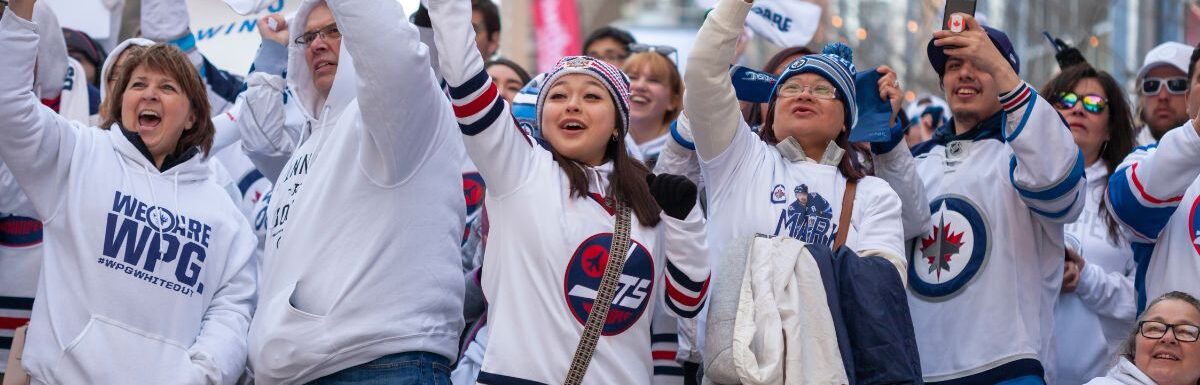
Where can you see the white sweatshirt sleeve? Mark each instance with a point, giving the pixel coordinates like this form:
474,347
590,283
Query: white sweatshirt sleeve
37,144
500,149
711,102
168,21
876,216
687,272
221,348
403,121
261,123
1148,186
899,170
1046,167
1109,293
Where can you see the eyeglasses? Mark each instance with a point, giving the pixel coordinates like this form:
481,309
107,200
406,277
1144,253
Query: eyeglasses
1091,103
664,50
326,32
820,91
1175,85
1156,330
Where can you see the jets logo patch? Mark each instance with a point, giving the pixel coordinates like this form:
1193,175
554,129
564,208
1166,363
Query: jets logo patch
634,289
1193,225
947,258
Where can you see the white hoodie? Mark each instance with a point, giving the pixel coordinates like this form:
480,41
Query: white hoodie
1123,373
145,271
365,220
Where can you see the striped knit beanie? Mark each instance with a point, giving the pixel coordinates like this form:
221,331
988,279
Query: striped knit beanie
611,77
835,63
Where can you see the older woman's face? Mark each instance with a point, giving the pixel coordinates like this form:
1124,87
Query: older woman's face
1167,360
811,120
155,106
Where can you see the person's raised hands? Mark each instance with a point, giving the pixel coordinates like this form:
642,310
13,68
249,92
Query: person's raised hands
974,45
274,27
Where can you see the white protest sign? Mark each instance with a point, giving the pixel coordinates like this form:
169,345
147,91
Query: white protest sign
785,23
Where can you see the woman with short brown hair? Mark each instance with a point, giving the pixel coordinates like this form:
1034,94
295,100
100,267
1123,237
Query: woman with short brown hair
148,275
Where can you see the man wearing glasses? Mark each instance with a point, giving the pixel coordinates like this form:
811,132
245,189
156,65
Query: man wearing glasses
361,277
1162,91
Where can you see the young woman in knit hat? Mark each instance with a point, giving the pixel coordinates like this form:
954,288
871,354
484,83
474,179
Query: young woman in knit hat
791,177
552,213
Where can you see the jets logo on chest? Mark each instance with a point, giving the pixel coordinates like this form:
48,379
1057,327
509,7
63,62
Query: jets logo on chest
635,288
948,257
1194,225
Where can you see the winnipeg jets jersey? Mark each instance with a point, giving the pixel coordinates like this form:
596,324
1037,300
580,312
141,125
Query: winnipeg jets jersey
1155,193
753,189
984,279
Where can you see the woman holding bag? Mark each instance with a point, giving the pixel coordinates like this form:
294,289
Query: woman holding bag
557,212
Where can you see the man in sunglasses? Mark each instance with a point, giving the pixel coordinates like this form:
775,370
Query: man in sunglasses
361,278
1163,91
1155,192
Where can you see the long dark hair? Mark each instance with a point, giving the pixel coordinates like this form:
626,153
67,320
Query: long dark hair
627,182
1120,123
846,165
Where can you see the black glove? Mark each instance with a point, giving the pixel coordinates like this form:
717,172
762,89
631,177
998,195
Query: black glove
675,194
1067,56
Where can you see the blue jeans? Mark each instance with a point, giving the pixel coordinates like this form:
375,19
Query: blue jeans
409,368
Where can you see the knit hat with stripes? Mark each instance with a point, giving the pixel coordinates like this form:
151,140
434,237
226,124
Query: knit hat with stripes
612,78
835,63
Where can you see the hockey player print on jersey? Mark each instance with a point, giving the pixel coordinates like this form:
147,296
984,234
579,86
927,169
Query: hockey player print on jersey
635,288
807,218
953,252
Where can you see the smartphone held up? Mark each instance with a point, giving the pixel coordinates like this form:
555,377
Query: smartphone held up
953,19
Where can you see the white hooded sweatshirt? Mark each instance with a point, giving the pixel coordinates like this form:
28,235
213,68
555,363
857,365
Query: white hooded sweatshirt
365,220
148,271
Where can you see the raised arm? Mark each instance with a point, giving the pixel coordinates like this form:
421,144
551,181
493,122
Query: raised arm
167,21
1046,167
1149,185
37,143
501,150
403,123
711,102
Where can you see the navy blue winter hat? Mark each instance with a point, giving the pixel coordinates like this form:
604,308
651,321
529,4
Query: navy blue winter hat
937,55
835,63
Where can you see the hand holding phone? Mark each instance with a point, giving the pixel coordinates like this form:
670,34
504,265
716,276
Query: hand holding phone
952,20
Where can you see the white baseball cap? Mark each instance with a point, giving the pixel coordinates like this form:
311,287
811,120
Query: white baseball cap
1170,53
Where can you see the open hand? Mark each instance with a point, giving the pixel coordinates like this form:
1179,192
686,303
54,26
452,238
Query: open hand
279,34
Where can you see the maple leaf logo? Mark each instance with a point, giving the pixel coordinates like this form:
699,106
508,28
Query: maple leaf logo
941,246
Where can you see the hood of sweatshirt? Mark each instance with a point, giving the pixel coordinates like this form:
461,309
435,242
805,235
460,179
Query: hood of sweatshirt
299,75
112,60
51,55
190,168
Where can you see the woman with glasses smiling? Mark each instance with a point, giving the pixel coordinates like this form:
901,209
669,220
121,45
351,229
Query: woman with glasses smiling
790,178
1162,349
1097,305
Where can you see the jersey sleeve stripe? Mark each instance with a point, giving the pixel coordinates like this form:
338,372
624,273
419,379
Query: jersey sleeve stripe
471,129
1145,221
473,85
1057,214
684,312
476,105
1145,195
1056,191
